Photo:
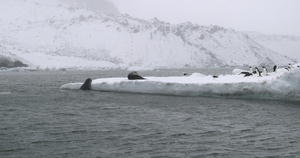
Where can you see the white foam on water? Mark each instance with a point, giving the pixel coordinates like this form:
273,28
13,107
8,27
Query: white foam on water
5,93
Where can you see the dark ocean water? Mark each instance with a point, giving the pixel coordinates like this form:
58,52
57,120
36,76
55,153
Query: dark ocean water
38,119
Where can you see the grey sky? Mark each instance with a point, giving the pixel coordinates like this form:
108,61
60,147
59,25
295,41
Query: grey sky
266,16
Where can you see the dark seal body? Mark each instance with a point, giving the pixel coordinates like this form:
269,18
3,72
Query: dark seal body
87,85
134,76
247,74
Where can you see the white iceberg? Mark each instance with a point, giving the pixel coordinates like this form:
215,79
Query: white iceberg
282,84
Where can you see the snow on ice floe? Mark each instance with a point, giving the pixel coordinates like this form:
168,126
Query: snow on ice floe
281,84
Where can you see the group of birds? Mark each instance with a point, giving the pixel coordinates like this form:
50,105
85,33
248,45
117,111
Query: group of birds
265,71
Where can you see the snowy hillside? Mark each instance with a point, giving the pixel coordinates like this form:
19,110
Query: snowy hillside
54,33
100,6
284,44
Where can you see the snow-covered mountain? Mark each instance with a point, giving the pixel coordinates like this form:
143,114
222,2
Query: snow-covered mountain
284,44
100,6
72,35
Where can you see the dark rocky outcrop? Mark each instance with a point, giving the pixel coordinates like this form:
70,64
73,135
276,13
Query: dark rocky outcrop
17,63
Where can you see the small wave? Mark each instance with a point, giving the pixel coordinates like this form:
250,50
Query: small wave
11,150
5,93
